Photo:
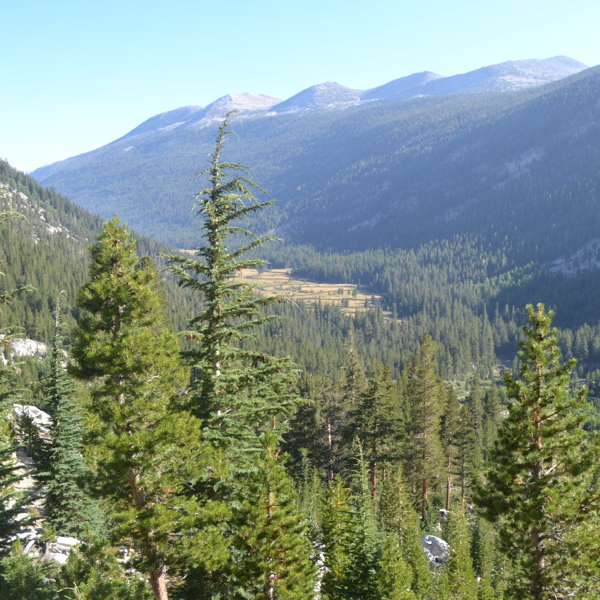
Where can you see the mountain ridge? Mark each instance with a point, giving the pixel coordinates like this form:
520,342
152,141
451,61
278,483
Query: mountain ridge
525,73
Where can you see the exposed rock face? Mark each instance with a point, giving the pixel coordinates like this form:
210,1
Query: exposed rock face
38,417
438,551
23,347
31,532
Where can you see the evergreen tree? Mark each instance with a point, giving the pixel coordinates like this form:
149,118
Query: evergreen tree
23,577
337,537
377,422
149,450
468,451
541,485
424,465
236,392
364,550
277,551
491,420
450,434
316,427
484,558
69,509
398,518
93,572
396,577
459,569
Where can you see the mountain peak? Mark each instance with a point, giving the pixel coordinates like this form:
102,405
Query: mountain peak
246,102
323,95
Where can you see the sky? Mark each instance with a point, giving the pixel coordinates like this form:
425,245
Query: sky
77,75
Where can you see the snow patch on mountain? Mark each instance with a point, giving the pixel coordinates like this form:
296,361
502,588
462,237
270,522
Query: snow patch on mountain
504,77
411,85
585,259
324,95
520,165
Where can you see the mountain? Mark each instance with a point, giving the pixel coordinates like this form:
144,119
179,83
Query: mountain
374,172
506,76
409,86
325,95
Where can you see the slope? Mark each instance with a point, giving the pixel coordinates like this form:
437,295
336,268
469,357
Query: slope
351,173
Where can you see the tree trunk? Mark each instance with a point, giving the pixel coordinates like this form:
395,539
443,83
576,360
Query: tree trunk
156,576
159,584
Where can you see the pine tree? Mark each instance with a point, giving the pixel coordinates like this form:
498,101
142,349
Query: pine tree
541,485
377,422
459,569
236,392
69,509
484,558
337,537
491,420
364,550
398,518
396,577
277,551
424,465
468,451
149,450
22,577
93,572
450,434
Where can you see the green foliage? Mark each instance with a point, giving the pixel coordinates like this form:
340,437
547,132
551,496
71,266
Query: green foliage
425,392
337,538
93,572
276,550
22,576
541,484
378,422
236,392
149,450
459,571
396,577
399,519
69,507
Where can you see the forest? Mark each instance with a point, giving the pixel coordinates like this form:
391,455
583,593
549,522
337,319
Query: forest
209,442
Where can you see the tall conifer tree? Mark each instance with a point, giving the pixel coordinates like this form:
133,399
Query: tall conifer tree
236,391
398,518
64,474
425,395
276,549
541,486
149,450
459,571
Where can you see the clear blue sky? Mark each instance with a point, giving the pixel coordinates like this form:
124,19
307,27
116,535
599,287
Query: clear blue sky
76,75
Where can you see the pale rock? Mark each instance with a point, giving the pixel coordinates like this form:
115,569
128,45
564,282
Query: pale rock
437,550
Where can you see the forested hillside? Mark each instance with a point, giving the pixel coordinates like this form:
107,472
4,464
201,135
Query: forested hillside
519,166
293,452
